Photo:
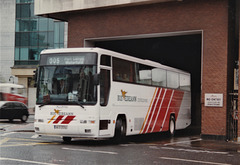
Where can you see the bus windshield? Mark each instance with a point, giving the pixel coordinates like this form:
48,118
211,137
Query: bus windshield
71,84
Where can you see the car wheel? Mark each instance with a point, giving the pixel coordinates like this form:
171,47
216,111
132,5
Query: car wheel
24,118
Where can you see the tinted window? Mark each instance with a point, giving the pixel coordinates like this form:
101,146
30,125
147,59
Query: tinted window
8,105
105,60
123,70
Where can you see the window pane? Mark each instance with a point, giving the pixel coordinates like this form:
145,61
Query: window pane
56,32
25,10
31,10
144,74
43,24
104,87
34,39
105,60
61,32
18,22
185,82
159,77
17,39
23,53
18,11
51,25
26,1
172,79
50,39
43,39
24,39
33,25
33,54
24,25
123,70
16,57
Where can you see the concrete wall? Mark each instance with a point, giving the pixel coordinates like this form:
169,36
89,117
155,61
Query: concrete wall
7,38
209,16
53,6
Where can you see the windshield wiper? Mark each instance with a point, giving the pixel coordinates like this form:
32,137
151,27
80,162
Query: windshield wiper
78,103
43,104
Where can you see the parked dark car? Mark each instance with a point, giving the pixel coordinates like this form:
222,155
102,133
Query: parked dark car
13,110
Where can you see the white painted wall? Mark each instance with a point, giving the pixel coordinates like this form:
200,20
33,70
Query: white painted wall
7,38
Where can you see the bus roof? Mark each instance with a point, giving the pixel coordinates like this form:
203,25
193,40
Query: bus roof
114,54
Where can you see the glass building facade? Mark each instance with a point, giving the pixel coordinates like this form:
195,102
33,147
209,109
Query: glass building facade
33,34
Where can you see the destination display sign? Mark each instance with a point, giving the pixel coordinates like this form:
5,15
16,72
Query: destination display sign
65,60
79,58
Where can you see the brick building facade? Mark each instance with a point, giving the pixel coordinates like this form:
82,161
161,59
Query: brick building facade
210,19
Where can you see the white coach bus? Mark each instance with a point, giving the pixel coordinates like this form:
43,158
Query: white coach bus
97,93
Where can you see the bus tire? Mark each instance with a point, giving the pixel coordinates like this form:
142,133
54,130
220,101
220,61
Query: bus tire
120,130
67,139
172,126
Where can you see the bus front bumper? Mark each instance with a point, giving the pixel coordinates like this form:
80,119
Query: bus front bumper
81,130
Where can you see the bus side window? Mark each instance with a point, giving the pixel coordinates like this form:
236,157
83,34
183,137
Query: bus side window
172,79
105,60
104,86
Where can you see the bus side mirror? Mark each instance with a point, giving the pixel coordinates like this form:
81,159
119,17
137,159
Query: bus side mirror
96,79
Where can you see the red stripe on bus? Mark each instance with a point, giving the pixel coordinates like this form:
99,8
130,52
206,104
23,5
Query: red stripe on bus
168,109
151,111
157,109
68,119
174,108
58,119
149,108
162,110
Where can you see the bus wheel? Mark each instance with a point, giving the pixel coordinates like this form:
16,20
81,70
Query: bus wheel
24,118
67,139
171,130
120,130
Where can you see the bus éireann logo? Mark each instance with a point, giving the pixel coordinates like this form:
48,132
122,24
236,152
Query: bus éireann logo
124,97
123,94
56,111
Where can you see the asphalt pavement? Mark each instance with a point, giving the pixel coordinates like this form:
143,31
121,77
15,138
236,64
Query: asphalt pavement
178,141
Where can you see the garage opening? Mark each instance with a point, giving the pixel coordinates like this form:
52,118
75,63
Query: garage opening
179,51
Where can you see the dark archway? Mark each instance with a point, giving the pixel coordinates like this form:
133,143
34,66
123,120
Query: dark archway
182,52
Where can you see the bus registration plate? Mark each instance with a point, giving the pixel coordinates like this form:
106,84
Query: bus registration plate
60,126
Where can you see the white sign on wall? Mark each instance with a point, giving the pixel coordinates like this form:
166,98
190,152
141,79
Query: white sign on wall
214,100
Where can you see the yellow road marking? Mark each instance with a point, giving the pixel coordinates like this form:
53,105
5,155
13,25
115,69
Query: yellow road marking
21,142
28,144
4,140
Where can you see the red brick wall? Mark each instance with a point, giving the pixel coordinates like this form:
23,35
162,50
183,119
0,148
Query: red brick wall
209,16
239,82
